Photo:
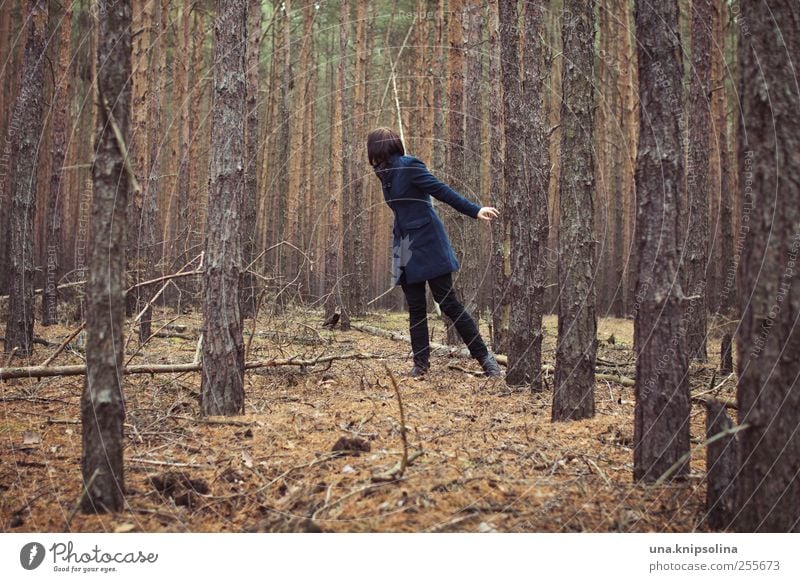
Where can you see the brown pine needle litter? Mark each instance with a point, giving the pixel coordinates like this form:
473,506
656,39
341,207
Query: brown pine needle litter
452,452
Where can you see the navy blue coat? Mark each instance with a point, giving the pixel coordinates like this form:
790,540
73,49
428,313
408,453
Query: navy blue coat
421,245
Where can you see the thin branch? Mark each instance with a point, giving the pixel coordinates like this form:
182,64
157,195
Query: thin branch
397,472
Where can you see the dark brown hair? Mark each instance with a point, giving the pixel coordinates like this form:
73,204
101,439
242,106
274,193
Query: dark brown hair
382,143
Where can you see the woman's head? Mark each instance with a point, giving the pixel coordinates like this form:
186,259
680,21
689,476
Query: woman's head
383,143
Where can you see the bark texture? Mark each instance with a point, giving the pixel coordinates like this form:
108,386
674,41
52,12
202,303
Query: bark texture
102,406
222,385
661,425
526,178
500,264
695,261
576,351
251,156
334,222
56,194
721,465
768,338
27,118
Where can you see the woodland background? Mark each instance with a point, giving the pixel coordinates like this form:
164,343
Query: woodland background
405,59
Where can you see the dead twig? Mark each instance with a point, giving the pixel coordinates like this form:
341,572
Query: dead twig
216,421
169,464
397,471
63,345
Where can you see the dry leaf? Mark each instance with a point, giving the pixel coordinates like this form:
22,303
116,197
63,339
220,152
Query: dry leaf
31,438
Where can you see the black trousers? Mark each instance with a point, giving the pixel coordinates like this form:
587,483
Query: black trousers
442,289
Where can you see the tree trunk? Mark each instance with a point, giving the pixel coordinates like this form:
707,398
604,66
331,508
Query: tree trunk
251,156
573,397
439,72
695,262
721,465
102,408
527,179
725,300
725,354
501,247
287,205
347,260
630,116
334,225
768,337
616,164
469,234
27,118
604,132
222,388
179,238
55,199
149,229
308,228
356,280
661,431
454,151
142,81
6,57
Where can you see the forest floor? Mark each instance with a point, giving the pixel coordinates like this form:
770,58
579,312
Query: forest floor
491,459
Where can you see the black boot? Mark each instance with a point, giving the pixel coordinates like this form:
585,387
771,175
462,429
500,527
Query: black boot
490,365
419,369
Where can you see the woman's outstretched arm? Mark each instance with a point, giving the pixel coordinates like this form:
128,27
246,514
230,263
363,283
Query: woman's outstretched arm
422,178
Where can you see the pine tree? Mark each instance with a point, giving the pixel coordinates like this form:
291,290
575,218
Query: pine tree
28,118
573,397
661,425
222,384
102,406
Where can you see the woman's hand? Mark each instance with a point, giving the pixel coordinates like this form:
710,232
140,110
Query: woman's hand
487,213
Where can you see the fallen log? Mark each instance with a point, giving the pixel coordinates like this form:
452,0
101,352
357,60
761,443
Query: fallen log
80,370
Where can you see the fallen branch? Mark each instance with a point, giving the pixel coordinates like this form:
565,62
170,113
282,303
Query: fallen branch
63,345
80,370
169,464
170,335
396,472
215,421
623,380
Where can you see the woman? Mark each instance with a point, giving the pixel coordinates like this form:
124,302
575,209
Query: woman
422,251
